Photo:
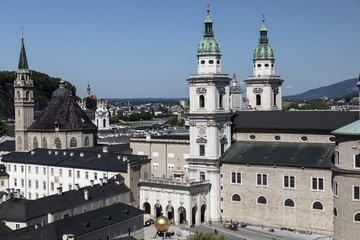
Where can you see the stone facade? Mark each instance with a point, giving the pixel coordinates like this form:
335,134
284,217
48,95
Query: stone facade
274,213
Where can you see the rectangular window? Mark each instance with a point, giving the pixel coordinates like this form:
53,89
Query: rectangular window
44,171
202,150
202,176
36,184
78,174
86,175
155,166
17,226
236,177
60,172
29,183
171,155
186,168
22,183
15,168
357,161
95,176
52,186
261,179
69,173
70,187
22,168
29,169
317,184
36,170
171,167
155,154
289,182
356,193
9,168
2,183
52,171
140,153
15,182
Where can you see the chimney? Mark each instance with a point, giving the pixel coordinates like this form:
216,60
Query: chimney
86,195
119,157
17,193
64,153
148,135
49,152
32,152
92,183
37,225
105,149
101,182
105,180
71,154
99,155
56,152
125,158
77,186
81,154
59,190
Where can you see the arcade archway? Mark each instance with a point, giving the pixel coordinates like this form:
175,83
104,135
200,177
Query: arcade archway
158,210
193,215
203,209
147,208
182,215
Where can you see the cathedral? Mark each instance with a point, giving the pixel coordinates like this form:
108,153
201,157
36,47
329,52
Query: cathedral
249,161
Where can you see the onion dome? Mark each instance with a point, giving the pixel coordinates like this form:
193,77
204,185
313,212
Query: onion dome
208,45
263,51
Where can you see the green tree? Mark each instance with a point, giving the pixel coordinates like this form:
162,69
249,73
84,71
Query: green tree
173,120
91,103
206,236
113,119
3,128
180,123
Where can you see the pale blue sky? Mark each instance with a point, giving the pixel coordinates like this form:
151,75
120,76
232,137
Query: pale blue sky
148,48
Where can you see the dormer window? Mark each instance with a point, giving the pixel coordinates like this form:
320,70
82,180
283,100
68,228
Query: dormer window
57,125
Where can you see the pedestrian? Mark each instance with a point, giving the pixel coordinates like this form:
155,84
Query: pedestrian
216,232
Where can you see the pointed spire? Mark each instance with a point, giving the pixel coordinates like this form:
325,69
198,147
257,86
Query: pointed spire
23,64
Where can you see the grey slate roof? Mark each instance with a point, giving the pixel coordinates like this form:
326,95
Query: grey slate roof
23,210
63,109
83,223
112,148
292,120
7,146
89,160
314,155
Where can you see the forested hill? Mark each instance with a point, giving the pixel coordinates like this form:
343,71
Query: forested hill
342,89
44,85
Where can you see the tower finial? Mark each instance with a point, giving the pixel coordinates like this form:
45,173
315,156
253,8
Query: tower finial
263,20
208,8
22,32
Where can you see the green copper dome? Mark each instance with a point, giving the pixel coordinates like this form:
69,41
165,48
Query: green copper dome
208,45
263,51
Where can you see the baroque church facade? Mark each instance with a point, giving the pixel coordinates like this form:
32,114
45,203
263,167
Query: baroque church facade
249,161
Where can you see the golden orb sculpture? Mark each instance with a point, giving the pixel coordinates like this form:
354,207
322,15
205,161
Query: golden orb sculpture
162,224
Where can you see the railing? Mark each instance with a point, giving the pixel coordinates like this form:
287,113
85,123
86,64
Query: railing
174,182
209,75
262,77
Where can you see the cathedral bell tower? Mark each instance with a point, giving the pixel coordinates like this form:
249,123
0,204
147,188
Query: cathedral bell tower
209,116
263,89
23,100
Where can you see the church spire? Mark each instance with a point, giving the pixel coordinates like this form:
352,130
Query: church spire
23,64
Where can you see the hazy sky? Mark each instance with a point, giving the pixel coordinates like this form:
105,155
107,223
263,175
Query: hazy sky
148,48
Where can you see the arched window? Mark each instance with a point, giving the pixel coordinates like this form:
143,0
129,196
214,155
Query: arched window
220,101
289,203
261,200
35,143
202,101
104,123
44,143
357,217
275,99
57,143
27,96
87,142
19,142
236,198
258,99
335,212
18,95
73,142
318,206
